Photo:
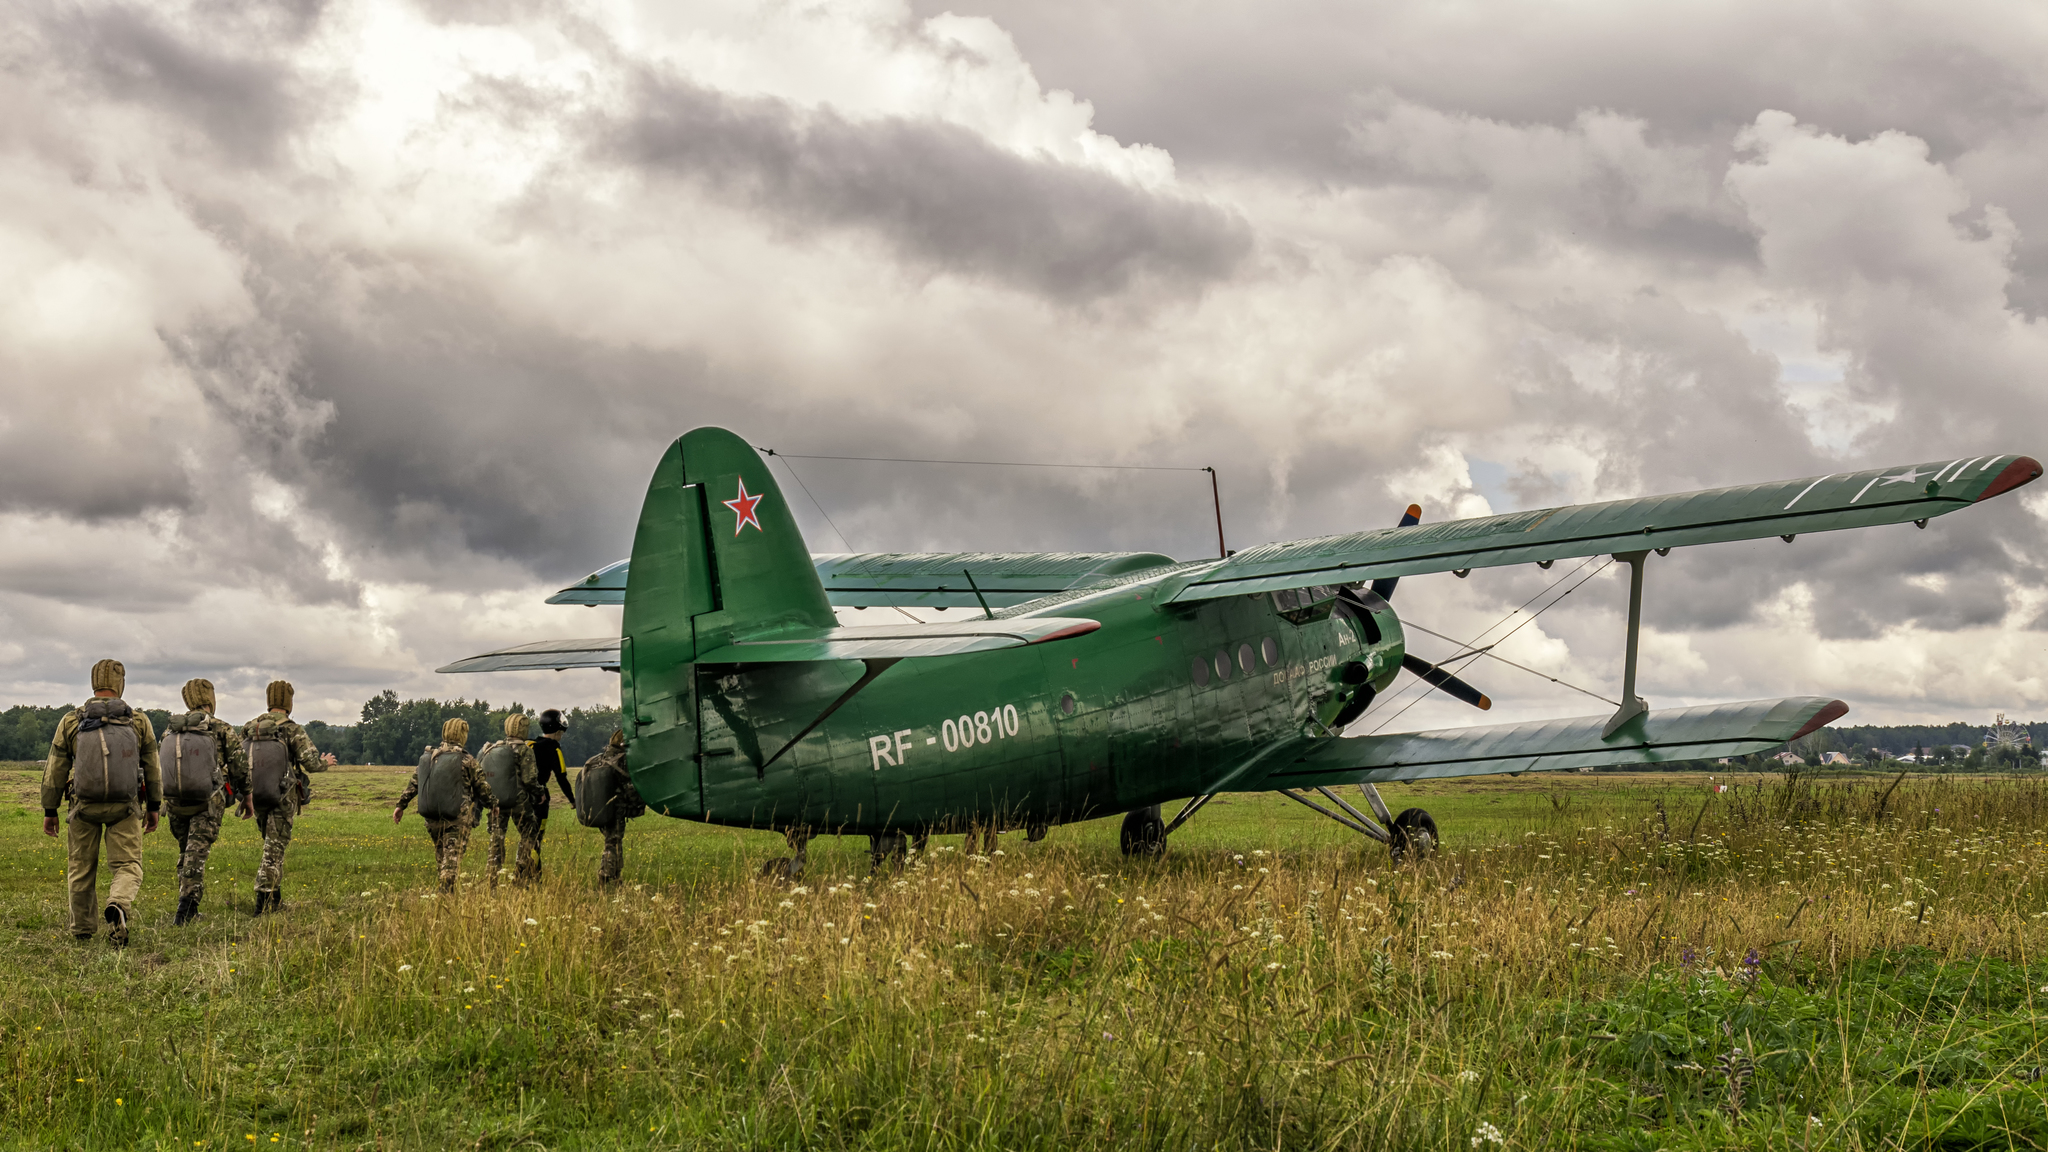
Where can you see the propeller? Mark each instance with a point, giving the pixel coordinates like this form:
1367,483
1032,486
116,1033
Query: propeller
1449,682
1384,586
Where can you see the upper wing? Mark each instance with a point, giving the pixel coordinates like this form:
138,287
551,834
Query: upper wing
884,642
1842,500
922,579
1667,734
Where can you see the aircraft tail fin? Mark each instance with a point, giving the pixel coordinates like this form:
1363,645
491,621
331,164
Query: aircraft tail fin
717,554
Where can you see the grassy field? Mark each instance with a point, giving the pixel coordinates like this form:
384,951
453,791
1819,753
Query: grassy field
1604,961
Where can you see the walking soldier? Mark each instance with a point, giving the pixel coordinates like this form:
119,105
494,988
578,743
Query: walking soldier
513,778
103,759
605,800
451,790
200,753
280,754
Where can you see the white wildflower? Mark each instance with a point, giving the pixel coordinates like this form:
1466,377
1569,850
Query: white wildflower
531,921
1487,1134
1468,1076
405,967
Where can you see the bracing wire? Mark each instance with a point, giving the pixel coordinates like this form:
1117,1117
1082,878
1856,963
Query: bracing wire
791,469
1491,654
1474,653
984,463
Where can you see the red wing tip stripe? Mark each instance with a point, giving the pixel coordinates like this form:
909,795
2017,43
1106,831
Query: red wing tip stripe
1833,711
1079,628
2022,470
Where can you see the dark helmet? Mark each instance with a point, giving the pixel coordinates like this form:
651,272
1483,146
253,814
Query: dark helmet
551,722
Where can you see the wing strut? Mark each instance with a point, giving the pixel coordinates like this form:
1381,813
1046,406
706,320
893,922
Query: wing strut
875,668
1632,705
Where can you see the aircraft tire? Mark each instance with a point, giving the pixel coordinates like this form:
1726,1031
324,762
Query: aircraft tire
888,848
1413,831
1144,833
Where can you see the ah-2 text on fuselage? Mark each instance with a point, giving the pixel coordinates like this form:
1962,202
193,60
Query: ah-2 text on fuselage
1088,685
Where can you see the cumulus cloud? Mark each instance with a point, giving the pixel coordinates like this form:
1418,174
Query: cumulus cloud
335,336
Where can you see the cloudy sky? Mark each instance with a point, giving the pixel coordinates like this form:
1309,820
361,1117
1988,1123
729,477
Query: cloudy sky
333,337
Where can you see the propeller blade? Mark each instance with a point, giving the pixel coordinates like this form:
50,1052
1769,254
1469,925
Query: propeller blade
1438,678
1385,585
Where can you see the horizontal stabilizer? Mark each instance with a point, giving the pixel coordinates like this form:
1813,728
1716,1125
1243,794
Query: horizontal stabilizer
1752,512
1658,736
546,655
900,641
878,642
922,579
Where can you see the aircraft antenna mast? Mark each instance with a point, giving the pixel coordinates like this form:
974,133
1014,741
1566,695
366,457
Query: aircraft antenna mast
1216,497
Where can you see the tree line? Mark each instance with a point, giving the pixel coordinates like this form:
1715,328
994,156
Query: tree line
391,731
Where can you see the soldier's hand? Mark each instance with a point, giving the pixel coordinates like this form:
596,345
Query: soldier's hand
397,814
247,810
49,825
148,823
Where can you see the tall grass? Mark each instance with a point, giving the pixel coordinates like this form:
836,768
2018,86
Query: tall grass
1788,965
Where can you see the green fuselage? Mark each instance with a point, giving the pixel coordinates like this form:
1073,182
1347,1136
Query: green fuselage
1108,722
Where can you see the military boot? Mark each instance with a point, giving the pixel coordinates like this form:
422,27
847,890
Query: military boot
188,909
118,934
262,902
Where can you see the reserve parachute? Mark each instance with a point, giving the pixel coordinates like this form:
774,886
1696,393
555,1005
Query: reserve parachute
190,759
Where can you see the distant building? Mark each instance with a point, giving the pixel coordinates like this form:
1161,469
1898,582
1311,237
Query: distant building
1835,758
1787,758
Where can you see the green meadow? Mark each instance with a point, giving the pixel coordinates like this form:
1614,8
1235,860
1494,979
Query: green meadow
1603,961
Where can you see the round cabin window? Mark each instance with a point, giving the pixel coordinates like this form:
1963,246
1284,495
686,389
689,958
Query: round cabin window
1269,651
1199,672
1222,663
1067,703
1244,658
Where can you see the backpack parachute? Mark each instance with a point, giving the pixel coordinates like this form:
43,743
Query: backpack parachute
440,781
191,760
597,792
106,763
501,772
270,761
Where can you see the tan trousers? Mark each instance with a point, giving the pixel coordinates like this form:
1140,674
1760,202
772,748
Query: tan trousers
82,860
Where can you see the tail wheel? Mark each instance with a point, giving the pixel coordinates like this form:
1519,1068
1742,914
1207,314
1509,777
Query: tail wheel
1415,832
1144,833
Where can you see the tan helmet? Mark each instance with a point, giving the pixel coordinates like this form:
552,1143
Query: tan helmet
455,732
278,697
516,726
109,676
199,695
618,739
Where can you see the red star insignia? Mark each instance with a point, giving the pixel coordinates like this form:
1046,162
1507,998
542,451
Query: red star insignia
743,506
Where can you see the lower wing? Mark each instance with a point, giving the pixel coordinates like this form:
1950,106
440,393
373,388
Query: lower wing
1702,733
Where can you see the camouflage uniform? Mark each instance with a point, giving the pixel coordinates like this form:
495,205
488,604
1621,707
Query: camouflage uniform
119,825
626,807
196,828
517,814
451,836
275,821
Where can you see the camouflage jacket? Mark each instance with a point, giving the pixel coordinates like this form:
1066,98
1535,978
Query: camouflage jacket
304,754
234,761
64,747
474,788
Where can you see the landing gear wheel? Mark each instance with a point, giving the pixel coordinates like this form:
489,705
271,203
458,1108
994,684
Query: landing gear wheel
1144,833
788,868
1413,831
887,848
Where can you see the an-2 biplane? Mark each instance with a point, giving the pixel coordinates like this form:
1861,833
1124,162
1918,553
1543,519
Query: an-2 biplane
1088,685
